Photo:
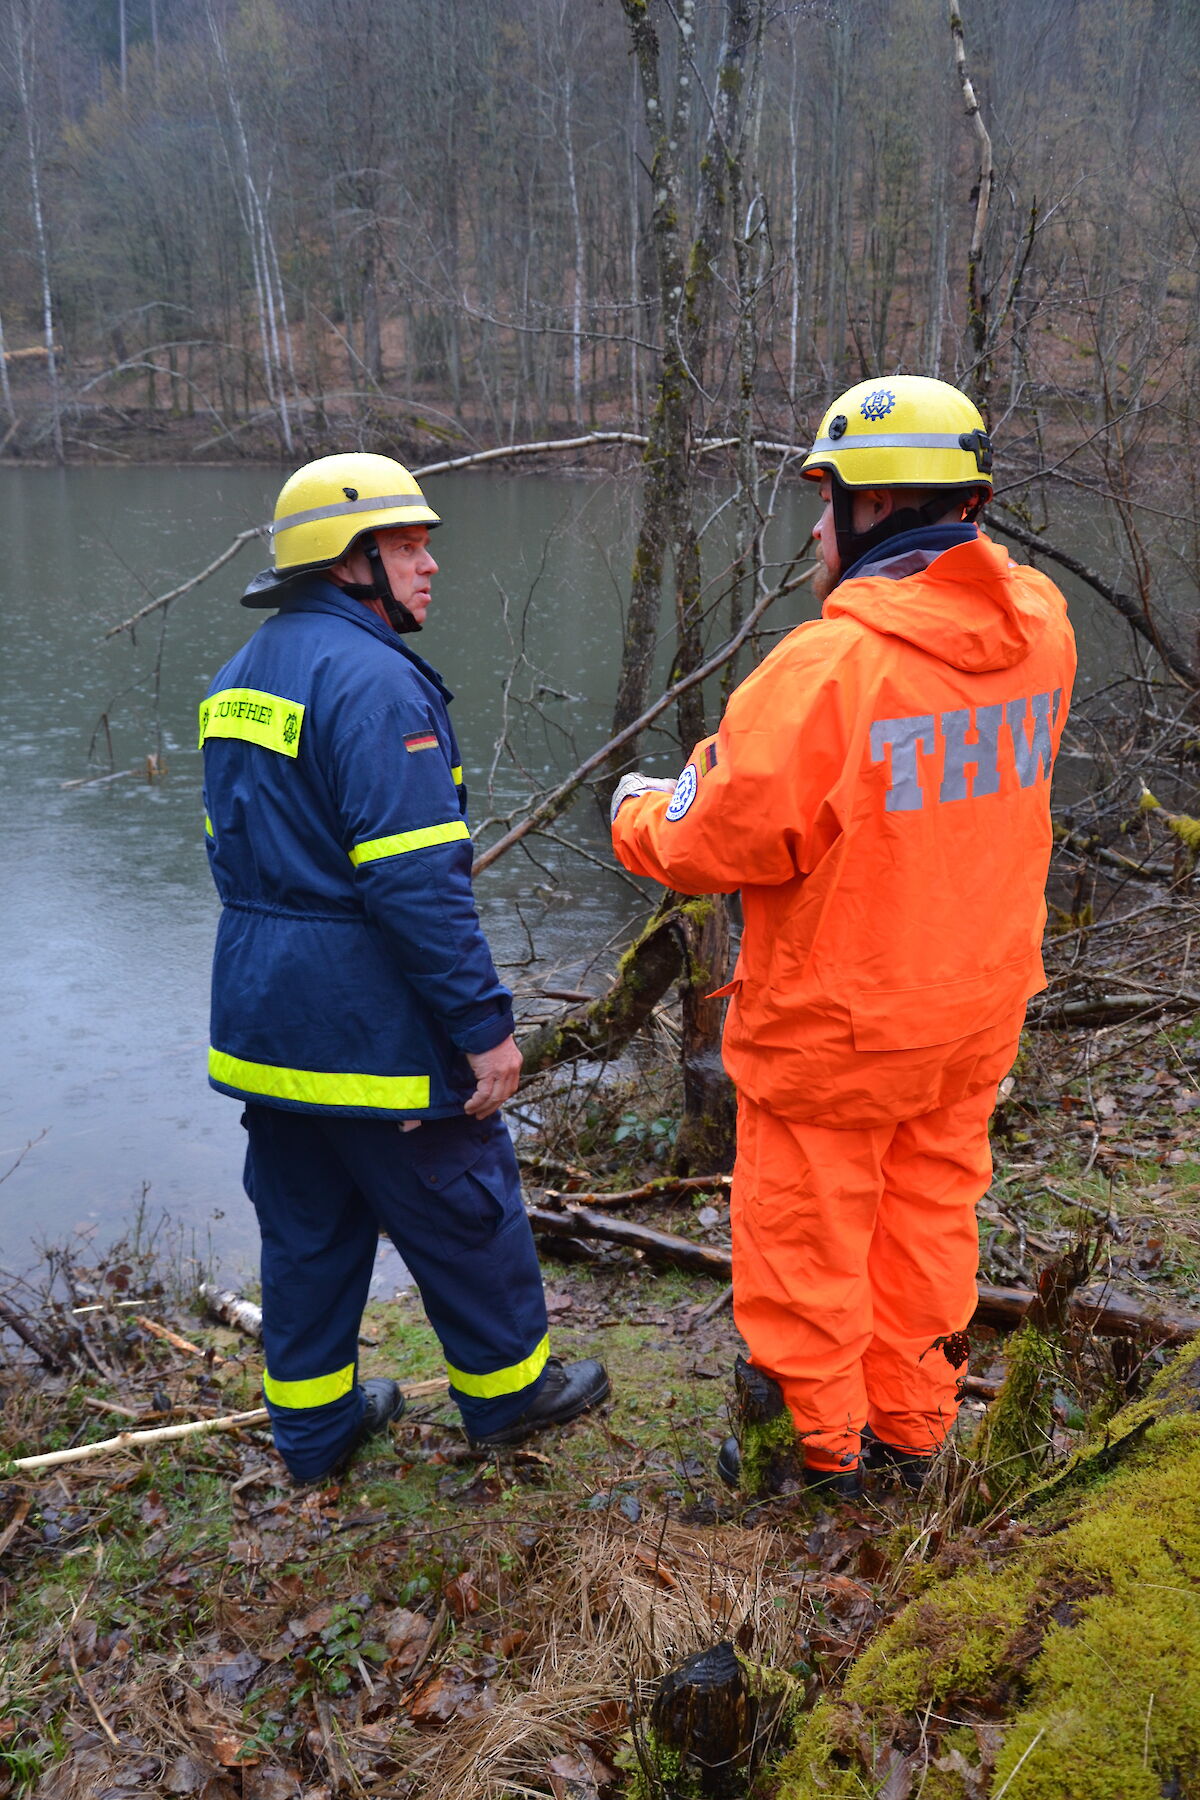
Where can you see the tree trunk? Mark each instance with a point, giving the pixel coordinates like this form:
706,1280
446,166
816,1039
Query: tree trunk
707,1131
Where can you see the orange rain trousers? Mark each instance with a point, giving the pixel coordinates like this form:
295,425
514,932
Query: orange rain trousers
853,1250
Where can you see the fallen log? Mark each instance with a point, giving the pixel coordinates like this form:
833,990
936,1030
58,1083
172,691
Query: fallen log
229,1307
1108,1009
659,1246
1108,1314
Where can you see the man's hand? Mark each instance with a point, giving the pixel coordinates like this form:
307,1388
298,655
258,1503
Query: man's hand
631,785
497,1072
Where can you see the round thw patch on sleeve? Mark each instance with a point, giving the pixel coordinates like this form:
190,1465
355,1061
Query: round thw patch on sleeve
685,793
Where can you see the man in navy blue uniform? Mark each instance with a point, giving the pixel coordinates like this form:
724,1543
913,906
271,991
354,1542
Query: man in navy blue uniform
356,1010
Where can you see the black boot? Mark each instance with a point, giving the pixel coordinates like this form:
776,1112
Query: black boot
568,1390
838,1484
907,1466
382,1403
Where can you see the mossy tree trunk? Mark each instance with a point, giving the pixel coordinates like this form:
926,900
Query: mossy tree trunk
685,278
601,1029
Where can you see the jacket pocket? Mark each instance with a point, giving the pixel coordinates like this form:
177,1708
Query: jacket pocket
919,1018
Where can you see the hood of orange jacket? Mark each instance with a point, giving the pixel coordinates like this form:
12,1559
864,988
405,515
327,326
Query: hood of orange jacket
965,609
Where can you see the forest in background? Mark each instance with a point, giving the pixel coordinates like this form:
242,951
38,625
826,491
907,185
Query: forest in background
324,224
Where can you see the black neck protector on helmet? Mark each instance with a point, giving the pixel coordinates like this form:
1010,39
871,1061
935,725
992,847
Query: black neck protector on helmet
380,588
852,544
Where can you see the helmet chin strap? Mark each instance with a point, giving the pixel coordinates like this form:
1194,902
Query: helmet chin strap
380,588
851,544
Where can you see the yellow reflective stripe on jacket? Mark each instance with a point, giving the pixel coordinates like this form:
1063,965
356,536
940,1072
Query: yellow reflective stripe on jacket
501,1381
321,1390
316,1087
266,719
456,774
208,825
374,848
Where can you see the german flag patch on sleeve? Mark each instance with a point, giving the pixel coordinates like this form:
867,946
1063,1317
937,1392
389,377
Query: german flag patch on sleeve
421,740
710,756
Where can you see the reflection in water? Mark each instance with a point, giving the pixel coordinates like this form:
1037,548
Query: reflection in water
109,912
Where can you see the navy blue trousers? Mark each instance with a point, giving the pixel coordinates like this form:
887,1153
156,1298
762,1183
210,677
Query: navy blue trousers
448,1195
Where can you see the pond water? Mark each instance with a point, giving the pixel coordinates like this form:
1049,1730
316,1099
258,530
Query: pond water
108,908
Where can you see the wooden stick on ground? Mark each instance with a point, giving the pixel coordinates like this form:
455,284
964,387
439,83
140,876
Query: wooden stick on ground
173,1338
659,1246
663,1187
164,1434
142,1440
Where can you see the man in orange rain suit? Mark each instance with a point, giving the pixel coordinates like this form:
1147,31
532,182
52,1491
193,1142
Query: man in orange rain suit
879,793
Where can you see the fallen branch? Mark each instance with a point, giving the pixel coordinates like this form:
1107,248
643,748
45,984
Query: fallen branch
141,1440
723,1299
663,1187
1130,609
503,453
637,439
601,1029
165,1434
554,802
1108,1009
173,1338
45,1353
1079,845
153,606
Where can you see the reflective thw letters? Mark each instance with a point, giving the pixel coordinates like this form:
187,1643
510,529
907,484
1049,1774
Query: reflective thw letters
968,739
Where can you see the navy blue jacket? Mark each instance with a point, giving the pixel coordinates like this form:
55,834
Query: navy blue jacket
351,974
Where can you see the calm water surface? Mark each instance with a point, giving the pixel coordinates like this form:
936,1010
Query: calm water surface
108,909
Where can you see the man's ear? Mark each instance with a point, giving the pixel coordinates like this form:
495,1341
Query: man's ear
872,506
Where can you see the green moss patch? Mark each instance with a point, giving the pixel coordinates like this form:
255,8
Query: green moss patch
1084,1642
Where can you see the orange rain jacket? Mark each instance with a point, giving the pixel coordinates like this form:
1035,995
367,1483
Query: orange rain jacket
879,791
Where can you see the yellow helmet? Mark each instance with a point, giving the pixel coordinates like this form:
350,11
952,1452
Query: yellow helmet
902,431
324,506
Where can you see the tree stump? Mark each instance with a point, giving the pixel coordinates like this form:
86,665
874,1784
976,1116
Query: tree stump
703,1726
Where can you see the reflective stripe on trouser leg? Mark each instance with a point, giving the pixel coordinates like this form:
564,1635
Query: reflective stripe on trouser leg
923,1263
449,1197
802,1215
318,1250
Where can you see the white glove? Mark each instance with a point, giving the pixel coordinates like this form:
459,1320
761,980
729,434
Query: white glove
631,785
